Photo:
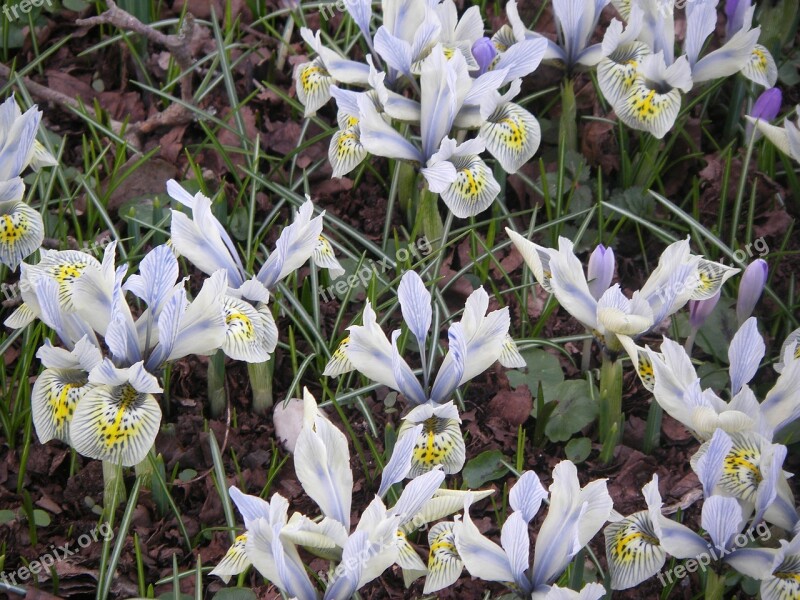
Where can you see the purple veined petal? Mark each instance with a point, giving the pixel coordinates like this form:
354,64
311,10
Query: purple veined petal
527,494
397,53
399,464
452,369
417,493
722,519
379,138
407,383
751,286
439,100
699,26
158,272
515,541
361,12
710,465
345,582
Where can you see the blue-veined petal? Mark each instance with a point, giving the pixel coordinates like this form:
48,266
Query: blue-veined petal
361,12
397,52
250,507
761,67
722,519
246,333
516,544
633,551
203,325
399,464
348,574
66,267
313,85
339,364
536,257
745,354
617,314
325,258
510,356
647,109
526,495
158,272
407,382
732,57
19,135
709,465
444,563
235,560
711,276
569,284
378,137
521,59
439,100
291,572
415,305
451,371
116,424
440,442
483,558
21,232
576,20
782,404
676,539
616,73
369,351
294,247
699,26
474,189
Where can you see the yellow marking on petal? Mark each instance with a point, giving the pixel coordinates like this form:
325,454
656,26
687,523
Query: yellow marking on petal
119,429
740,472
759,59
633,550
437,444
444,562
626,542
448,52
239,324
312,77
646,372
347,143
12,228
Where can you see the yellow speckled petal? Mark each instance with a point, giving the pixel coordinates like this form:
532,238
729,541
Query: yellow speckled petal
116,424
510,357
512,135
633,551
54,398
325,258
740,469
439,443
616,73
474,189
339,364
235,560
346,151
444,563
645,370
785,581
761,67
21,233
247,336
648,109
313,84
65,267
711,276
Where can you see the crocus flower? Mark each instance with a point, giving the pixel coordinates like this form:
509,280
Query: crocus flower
574,516
766,107
600,270
21,227
476,341
751,287
699,310
484,52
786,138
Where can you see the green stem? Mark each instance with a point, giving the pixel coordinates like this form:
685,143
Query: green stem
261,384
216,384
428,219
113,488
652,431
715,586
569,115
611,418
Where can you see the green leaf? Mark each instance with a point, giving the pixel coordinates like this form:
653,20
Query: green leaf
574,411
41,518
6,516
187,475
238,223
236,593
74,5
578,449
542,367
487,466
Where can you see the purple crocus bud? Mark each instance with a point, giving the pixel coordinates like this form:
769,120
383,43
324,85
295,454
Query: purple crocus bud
750,288
766,107
734,12
484,52
601,270
700,309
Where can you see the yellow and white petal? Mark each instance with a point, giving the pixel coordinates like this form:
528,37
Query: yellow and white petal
235,560
440,443
444,563
648,109
339,364
761,67
41,157
21,317
633,551
116,424
247,335
510,357
623,7
313,85
784,584
324,257
617,72
536,257
65,267
512,135
346,152
54,398
21,232
474,189
741,473
407,557
642,362
711,275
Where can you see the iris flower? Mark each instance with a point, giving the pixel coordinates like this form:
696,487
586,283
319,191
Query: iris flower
786,138
476,341
677,389
643,79
614,319
322,461
251,333
105,407
778,569
21,227
574,516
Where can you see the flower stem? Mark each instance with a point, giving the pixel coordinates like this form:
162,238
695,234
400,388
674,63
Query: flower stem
428,219
113,488
216,383
261,384
611,418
